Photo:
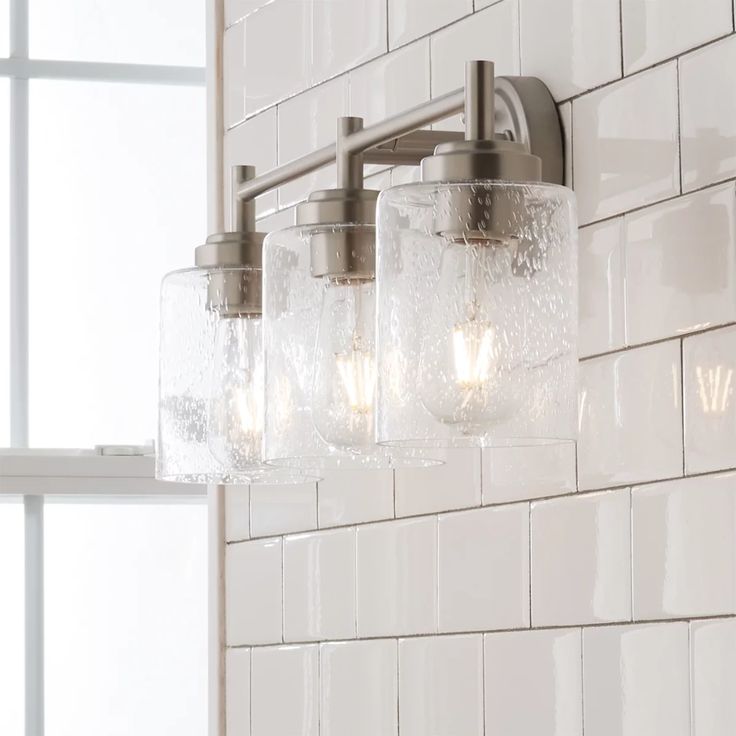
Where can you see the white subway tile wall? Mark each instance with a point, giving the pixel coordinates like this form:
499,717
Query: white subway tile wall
518,590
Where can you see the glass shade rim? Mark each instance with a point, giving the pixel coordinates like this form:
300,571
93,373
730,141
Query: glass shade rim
480,441
317,463
551,186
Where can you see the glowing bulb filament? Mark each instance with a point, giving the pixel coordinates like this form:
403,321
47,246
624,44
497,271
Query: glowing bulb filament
358,374
249,407
472,344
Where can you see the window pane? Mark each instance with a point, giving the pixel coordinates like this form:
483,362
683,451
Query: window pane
134,31
126,618
117,198
12,669
4,263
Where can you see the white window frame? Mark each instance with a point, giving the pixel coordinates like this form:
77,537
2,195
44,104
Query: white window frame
33,474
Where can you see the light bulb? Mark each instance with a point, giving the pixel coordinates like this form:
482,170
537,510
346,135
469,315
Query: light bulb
461,352
235,411
345,366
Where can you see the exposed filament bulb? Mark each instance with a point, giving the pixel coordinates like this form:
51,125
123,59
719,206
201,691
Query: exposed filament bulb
357,369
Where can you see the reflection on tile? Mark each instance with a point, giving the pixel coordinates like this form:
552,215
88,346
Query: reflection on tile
253,573
484,569
355,496
236,10
397,578
441,686
409,19
319,586
278,509
274,71
708,114
681,265
237,685
710,400
581,559
346,34
285,691
565,113
624,160
630,421
518,473
636,680
601,287
359,688
489,34
308,122
684,534
252,143
653,31
713,658
573,46
453,485
533,683
233,82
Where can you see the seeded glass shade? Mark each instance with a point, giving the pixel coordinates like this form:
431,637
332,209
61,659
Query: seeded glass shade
319,343
210,383
477,315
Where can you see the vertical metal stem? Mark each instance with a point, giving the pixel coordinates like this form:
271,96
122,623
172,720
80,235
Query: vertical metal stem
243,212
34,616
349,165
479,100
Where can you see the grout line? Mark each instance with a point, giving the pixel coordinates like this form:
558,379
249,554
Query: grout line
682,400
531,620
657,341
621,34
582,682
631,555
447,634
250,691
483,678
283,595
500,504
691,684
679,123
398,696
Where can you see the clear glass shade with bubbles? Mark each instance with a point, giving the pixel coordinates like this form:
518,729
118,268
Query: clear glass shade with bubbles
477,315
320,353
211,383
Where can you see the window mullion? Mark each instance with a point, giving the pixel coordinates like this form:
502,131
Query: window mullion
34,616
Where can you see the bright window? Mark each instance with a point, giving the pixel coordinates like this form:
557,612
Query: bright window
103,601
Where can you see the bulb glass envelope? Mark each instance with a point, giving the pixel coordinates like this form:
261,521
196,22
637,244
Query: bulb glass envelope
211,381
477,315
319,344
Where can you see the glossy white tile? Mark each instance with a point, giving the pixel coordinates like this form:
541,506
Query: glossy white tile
409,19
484,569
630,417
636,680
684,535
653,31
573,45
601,287
713,677
391,84
253,592
581,559
281,509
236,10
277,221
452,485
533,683
346,33
278,52
709,375
253,143
234,79
397,577
237,513
681,265
405,175
624,160
441,686
520,473
492,33
379,181
285,691
237,686
359,688
308,122
708,114
319,586
355,496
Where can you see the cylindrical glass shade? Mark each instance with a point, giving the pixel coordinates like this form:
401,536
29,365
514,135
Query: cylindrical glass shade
211,380
477,315
319,343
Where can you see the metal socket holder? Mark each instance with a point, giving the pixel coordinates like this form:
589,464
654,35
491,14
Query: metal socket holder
337,252
234,260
